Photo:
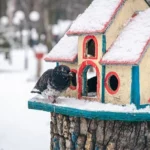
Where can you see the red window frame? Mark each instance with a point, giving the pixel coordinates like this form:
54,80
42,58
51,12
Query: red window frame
71,86
108,88
80,84
86,39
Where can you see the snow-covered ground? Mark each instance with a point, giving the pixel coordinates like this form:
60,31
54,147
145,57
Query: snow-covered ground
21,128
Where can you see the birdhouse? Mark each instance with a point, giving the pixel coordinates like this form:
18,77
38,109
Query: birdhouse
107,48
115,43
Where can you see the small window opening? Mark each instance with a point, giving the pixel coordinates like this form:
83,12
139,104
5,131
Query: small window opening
90,47
89,82
113,82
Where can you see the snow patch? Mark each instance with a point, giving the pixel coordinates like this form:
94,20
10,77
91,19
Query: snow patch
4,20
34,16
66,49
34,34
21,128
92,106
95,17
19,15
40,48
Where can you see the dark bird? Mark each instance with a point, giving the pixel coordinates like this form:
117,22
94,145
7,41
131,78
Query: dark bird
92,84
53,82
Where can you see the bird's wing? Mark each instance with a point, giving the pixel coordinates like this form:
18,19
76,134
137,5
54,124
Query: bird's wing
41,84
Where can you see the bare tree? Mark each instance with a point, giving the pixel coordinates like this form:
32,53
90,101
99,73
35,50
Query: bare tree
50,10
3,7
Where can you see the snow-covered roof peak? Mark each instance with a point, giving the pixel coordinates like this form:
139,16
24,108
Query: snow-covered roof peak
65,50
96,17
131,43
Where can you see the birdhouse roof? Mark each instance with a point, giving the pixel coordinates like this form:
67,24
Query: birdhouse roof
96,18
65,50
132,43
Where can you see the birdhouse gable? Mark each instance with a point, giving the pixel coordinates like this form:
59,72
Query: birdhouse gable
132,43
65,51
96,18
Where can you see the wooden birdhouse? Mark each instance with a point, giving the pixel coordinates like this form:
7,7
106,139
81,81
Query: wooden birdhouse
113,43
108,49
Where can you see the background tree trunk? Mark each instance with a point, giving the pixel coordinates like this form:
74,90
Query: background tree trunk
48,28
3,7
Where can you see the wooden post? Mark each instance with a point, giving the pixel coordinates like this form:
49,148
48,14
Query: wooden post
39,67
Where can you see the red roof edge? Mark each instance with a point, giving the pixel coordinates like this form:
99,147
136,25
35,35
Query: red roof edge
136,62
98,31
60,59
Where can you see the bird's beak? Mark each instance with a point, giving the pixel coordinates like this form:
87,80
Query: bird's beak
70,74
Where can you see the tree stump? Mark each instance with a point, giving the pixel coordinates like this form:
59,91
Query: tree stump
85,134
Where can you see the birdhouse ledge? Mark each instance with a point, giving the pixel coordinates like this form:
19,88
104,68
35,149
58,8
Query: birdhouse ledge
91,110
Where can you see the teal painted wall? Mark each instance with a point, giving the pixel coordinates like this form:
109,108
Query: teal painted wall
84,90
135,86
103,69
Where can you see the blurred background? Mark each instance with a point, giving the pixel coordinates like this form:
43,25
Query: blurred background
28,31
48,18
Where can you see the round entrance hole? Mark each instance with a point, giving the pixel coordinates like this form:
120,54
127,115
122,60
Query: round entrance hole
112,83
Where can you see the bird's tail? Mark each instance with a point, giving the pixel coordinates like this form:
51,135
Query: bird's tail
35,91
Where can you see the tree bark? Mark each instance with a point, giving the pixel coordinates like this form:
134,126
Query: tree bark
87,134
48,28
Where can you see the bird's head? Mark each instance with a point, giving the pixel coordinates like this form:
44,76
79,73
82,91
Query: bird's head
63,70
61,77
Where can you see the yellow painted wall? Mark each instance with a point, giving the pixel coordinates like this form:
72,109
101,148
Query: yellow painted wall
96,61
123,94
91,98
145,78
124,72
80,49
129,8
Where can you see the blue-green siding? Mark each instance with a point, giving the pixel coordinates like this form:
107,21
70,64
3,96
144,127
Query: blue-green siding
99,115
103,69
135,86
84,90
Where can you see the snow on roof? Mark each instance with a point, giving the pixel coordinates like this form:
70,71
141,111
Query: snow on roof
65,51
131,43
96,17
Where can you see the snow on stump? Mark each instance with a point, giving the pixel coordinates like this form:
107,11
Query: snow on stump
81,124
